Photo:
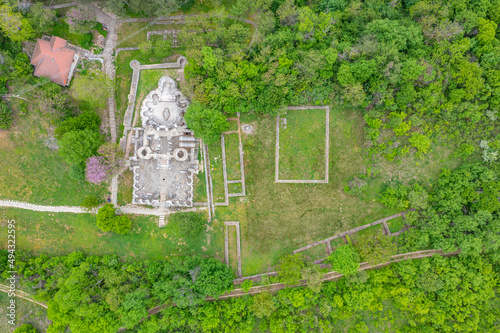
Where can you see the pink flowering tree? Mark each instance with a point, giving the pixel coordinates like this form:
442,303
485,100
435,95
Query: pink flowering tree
80,19
97,170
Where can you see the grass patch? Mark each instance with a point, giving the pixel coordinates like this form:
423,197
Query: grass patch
131,34
125,187
233,125
370,230
216,172
396,224
302,145
30,171
234,187
63,233
315,253
232,144
232,248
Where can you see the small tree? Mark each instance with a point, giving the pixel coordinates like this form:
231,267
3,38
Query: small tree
206,123
113,154
263,305
25,328
97,170
313,276
376,248
41,17
76,147
246,285
345,260
290,268
89,203
190,224
107,220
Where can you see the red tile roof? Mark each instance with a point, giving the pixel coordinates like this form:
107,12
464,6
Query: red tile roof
53,59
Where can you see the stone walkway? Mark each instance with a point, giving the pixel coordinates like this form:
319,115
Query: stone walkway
129,209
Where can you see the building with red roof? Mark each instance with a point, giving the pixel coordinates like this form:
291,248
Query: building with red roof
54,60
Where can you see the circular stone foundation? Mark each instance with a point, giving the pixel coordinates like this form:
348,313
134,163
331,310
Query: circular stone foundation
181,154
144,152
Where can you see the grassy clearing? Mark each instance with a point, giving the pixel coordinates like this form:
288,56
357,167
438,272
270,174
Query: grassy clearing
26,313
125,187
216,171
396,224
62,233
233,125
302,145
371,230
30,171
232,156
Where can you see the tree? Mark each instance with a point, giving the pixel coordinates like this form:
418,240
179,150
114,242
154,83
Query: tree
25,328
96,170
92,87
86,120
262,305
13,24
345,260
376,247
107,220
290,268
41,17
90,203
313,275
207,124
76,147
190,224
114,156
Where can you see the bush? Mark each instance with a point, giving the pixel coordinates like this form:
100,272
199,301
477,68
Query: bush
107,220
87,119
190,224
26,328
206,123
77,172
246,285
89,203
76,147
345,260
290,268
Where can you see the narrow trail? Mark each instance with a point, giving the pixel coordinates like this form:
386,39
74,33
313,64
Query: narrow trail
21,294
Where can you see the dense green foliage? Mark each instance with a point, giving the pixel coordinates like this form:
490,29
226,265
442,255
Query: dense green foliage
375,247
430,295
26,328
421,70
5,115
290,269
108,220
102,293
206,123
345,260
461,212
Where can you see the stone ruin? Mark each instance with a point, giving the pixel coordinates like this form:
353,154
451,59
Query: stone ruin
165,151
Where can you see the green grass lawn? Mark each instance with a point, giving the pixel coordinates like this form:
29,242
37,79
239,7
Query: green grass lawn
131,34
232,156
302,145
200,183
216,171
30,171
396,224
62,233
234,188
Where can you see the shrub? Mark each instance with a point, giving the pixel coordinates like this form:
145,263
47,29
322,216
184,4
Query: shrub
89,203
345,260
26,328
77,172
421,142
76,147
290,268
190,224
206,123
246,285
107,220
